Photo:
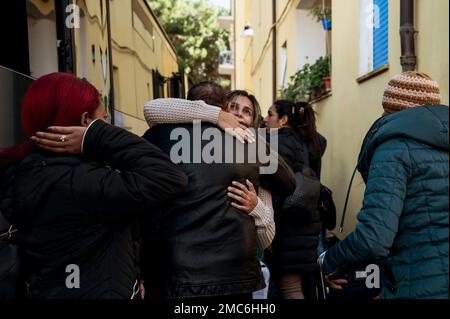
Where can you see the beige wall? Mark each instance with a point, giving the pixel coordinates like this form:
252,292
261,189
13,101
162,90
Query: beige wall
345,117
42,37
311,39
287,32
432,22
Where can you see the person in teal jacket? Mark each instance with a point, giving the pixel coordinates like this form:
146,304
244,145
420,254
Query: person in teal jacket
404,223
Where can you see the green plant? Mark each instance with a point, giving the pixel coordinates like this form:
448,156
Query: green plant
319,70
194,29
298,89
307,81
318,12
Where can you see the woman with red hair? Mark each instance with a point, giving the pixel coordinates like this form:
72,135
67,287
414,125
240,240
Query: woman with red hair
76,208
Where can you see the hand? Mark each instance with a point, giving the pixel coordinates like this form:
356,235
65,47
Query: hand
245,195
230,124
60,139
336,283
332,283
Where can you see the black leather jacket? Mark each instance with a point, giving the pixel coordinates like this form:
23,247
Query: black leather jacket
200,245
83,210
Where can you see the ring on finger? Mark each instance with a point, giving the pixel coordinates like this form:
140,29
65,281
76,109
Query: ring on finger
62,138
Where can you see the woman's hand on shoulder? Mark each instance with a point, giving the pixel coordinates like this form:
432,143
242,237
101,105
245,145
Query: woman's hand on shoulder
60,139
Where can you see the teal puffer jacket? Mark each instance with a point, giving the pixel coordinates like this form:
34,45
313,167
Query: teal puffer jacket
404,222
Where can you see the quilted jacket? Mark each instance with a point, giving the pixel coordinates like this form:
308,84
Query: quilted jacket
403,224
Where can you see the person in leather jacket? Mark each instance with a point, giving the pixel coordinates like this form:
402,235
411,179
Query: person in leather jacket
202,246
75,193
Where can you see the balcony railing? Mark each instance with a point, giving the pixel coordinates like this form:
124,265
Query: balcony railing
226,58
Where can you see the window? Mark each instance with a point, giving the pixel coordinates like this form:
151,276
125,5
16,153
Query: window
158,85
283,65
176,85
374,38
116,79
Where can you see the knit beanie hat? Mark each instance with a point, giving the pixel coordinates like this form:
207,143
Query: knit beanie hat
410,89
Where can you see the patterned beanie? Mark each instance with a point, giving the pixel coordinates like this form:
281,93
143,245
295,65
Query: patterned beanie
410,89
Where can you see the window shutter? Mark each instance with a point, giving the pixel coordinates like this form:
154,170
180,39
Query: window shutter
380,35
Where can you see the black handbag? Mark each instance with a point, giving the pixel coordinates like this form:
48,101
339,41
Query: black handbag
12,285
307,191
327,208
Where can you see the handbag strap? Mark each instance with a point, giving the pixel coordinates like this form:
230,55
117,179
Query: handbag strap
341,227
8,234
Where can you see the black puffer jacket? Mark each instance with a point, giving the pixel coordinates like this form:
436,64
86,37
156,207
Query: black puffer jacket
205,246
82,211
297,231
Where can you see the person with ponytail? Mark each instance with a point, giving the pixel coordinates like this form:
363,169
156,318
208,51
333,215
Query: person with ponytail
75,205
294,249
301,118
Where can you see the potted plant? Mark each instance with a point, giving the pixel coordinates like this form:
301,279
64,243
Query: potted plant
299,88
320,75
310,82
327,71
327,82
322,14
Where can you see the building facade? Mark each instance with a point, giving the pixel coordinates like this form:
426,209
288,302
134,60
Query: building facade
117,45
226,58
365,46
268,54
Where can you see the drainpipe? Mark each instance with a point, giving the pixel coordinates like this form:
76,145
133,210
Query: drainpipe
66,52
111,67
274,48
408,59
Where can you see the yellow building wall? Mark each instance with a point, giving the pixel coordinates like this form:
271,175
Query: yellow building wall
92,31
286,34
262,57
139,45
254,56
243,46
345,117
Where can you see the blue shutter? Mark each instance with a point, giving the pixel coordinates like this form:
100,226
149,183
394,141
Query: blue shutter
380,35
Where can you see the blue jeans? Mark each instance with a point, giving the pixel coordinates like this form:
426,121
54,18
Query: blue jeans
262,294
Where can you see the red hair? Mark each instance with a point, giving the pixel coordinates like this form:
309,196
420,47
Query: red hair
55,99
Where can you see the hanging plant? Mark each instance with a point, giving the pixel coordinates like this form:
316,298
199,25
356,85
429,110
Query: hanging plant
322,14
